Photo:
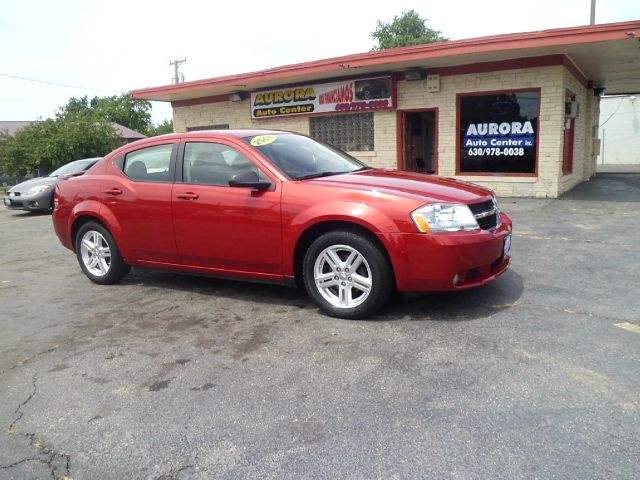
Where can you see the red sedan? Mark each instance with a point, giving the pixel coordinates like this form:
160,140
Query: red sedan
280,207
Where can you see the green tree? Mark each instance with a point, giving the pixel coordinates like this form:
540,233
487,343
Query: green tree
406,29
48,144
162,128
81,129
122,109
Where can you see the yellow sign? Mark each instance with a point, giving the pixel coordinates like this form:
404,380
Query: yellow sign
261,140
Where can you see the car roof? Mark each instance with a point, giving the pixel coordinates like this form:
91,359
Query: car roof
232,132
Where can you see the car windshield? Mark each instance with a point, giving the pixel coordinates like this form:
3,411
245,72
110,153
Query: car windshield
301,157
74,167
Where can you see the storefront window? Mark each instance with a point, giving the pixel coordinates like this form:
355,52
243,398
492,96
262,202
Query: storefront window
498,132
349,132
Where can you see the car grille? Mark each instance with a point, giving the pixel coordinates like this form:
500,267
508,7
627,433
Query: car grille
487,214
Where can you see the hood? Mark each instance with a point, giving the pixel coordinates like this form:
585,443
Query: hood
34,182
410,184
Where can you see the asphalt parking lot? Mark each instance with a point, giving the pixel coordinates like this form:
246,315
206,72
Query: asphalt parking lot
169,376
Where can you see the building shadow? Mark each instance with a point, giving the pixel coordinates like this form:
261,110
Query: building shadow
607,187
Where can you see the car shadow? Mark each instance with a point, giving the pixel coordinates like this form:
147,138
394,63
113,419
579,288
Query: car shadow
227,288
465,305
28,214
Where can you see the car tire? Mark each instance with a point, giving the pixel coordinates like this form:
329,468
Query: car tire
347,275
98,254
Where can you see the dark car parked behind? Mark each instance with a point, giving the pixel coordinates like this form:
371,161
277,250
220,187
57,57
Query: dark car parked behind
37,194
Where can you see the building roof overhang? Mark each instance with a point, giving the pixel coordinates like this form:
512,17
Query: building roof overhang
607,55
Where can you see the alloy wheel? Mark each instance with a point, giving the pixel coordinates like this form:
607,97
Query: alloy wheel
343,276
96,254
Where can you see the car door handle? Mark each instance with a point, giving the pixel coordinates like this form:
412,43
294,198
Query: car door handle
113,191
188,196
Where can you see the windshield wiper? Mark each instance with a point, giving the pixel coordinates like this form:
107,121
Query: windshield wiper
319,174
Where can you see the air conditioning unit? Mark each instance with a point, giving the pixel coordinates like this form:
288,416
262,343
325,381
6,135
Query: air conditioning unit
571,109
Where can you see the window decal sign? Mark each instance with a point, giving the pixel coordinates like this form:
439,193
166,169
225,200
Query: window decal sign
498,132
343,96
263,140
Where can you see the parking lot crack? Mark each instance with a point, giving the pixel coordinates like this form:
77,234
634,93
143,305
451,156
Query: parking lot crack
32,357
57,463
19,462
18,411
173,474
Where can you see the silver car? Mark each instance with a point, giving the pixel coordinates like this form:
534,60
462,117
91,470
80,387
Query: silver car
37,194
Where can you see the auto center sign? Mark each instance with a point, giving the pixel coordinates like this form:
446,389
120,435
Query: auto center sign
343,96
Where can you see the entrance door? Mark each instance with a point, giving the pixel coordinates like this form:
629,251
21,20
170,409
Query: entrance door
419,141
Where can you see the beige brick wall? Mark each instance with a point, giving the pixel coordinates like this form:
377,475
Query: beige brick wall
413,95
236,114
584,156
548,79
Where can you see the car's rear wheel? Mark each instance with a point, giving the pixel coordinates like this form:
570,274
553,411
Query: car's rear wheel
347,275
98,254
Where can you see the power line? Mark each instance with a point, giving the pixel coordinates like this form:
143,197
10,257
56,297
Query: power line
56,84
614,112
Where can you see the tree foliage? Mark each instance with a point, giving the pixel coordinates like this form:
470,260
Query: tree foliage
403,30
81,129
46,145
162,128
122,109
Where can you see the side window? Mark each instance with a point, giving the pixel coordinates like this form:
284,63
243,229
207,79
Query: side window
149,164
214,164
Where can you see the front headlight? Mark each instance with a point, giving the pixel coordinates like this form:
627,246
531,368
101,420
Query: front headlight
39,189
444,217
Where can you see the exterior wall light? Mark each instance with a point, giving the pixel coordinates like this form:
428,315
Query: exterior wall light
413,75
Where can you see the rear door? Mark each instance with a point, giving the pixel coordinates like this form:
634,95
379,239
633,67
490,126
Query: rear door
138,193
232,229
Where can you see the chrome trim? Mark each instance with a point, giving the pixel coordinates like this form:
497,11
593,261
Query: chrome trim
488,213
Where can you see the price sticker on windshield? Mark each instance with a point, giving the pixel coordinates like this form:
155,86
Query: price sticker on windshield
261,140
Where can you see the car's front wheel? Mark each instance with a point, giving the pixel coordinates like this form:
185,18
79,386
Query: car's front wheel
98,254
347,275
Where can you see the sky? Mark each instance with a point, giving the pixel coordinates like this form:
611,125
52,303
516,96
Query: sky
100,48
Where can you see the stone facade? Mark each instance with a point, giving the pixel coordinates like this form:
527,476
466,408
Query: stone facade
553,82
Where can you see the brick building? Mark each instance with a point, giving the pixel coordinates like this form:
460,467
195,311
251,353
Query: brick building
517,113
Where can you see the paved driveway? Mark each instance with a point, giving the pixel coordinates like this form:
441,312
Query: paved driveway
171,376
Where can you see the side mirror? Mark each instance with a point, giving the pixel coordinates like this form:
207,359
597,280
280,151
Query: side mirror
249,179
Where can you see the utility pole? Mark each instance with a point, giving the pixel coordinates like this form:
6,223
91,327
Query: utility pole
593,13
176,65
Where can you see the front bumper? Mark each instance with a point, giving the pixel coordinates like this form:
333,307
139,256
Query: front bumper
453,261
32,203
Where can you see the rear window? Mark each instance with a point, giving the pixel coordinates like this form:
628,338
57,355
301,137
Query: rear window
74,167
149,164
